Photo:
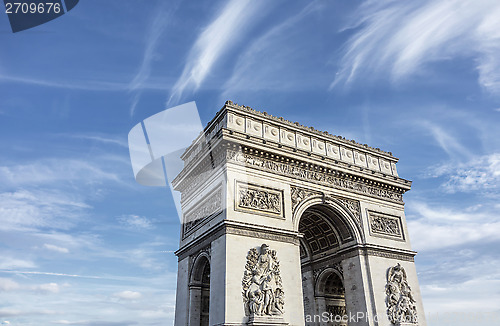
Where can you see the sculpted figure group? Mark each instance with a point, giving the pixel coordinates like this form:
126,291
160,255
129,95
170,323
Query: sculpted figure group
401,306
262,289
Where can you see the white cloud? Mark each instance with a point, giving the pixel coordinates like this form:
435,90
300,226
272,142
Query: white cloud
85,85
47,288
213,42
434,228
12,263
135,221
461,280
158,25
52,170
276,48
401,37
6,312
56,248
446,141
30,209
128,295
6,284
55,274
479,174
105,139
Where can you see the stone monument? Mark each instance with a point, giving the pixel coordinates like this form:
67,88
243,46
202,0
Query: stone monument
287,225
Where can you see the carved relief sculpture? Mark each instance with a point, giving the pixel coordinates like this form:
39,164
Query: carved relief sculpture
255,198
262,289
401,306
385,225
300,194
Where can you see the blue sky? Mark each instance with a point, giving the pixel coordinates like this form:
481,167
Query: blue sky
83,244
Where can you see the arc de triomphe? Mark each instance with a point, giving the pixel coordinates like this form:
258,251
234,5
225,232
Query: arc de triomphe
287,225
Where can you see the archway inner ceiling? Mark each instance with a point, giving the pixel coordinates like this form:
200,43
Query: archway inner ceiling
323,230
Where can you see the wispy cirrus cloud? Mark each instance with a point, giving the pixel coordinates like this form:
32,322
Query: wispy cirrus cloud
213,42
55,248
9,263
86,85
26,210
100,138
445,139
280,54
397,39
9,285
158,25
49,171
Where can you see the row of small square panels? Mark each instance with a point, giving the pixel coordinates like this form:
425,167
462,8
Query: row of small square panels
307,143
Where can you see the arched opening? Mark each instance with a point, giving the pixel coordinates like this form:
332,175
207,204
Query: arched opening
330,296
199,292
325,232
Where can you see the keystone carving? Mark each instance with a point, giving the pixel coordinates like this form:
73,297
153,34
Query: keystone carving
262,286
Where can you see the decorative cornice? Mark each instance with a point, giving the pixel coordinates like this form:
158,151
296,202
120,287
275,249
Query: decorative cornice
297,125
237,228
315,173
372,250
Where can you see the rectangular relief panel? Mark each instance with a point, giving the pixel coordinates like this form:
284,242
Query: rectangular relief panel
250,198
209,206
385,226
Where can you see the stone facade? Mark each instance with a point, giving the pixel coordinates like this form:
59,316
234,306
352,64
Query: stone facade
296,225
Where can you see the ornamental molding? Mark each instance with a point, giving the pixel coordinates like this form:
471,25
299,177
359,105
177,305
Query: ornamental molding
296,125
336,266
265,234
385,225
351,205
315,174
205,251
401,305
236,228
301,194
209,206
258,199
262,293
410,257
196,174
